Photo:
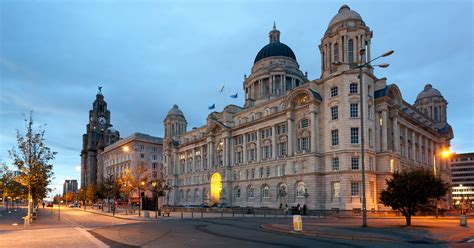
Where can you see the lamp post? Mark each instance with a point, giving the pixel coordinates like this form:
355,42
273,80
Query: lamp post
360,67
59,210
142,183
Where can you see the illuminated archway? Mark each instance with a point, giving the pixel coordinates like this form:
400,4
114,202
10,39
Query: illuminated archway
216,188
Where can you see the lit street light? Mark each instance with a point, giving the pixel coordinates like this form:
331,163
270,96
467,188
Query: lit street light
361,66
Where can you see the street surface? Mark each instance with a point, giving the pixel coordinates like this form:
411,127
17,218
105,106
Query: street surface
78,228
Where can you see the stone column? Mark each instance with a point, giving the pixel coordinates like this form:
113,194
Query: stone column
244,149
274,148
396,134
194,159
405,137
313,143
413,145
420,148
291,134
259,148
231,151
225,154
384,130
378,145
431,156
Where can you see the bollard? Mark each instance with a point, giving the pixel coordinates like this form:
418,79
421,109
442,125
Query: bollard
181,215
192,215
463,220
297,223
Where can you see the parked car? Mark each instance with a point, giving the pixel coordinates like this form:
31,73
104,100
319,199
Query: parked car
75,205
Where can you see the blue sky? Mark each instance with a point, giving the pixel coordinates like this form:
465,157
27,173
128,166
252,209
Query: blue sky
148,55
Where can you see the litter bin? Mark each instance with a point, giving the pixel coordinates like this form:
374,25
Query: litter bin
297,223
463,220
146,214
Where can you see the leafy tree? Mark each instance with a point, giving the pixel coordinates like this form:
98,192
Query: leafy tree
32,158
91,193
10,186
126,183
57,198
411,191
69,196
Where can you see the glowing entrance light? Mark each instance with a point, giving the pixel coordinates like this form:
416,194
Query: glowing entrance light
216,188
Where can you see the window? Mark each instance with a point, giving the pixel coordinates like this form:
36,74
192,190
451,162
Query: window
252,154
142,155
300,189
336,189
252,173
334,91
304,123
238,157
261,172
370,110
304,144
336,52
251,192
266,133
154,157
334,113
267,152
265,191
354,163
335,163
354,188
350,51
354,135
354,110
370,137
281,129
353,88
237,192
371,164
335,137
282,149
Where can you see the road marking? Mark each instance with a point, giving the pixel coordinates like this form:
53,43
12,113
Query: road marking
92,238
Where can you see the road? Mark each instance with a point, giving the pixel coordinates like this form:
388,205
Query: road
168,232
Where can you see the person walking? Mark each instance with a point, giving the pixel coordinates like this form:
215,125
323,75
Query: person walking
43,204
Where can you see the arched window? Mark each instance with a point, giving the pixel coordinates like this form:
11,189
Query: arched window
300,189
250,192
336,52
252,116
350,51
265,191
267,111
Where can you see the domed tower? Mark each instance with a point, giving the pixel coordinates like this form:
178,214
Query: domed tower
432,104
275,72
345,36
175,123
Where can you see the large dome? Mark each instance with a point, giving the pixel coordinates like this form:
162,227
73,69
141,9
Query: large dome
275,49
428,91
345,13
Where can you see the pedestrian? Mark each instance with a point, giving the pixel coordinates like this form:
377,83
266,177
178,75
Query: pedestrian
280,207
298,208
304,209
43,204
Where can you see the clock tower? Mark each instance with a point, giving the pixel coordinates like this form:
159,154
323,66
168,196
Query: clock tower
99,134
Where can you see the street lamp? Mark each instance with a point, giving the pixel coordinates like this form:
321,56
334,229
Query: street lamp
361,66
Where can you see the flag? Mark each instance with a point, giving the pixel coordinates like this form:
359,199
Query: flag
222,89
213,106
234,96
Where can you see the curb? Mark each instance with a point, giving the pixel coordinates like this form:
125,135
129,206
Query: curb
326,235
120,217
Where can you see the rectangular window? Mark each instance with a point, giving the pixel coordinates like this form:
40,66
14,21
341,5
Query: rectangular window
371,164
370,137
142,155
354,188
335,163
305,144
261,172
334,113
268,171
252,174
304,123
334,91
353,88
335,137
336,189
247,174
281,129
354,110
354,163
354,135
282,149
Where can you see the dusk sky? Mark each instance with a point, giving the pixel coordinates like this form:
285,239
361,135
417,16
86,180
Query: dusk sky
149,55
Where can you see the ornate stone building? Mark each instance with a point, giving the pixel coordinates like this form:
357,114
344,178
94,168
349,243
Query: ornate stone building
99,134
297,141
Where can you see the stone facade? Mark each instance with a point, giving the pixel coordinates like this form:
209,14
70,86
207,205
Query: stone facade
99,134
128,153
297,141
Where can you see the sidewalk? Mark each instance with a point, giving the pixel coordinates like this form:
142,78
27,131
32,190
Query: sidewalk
423,231
46,231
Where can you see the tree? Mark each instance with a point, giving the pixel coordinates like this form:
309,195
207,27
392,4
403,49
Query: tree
91,193
32,158
10,185
69,196
126,184
411,191
57,199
